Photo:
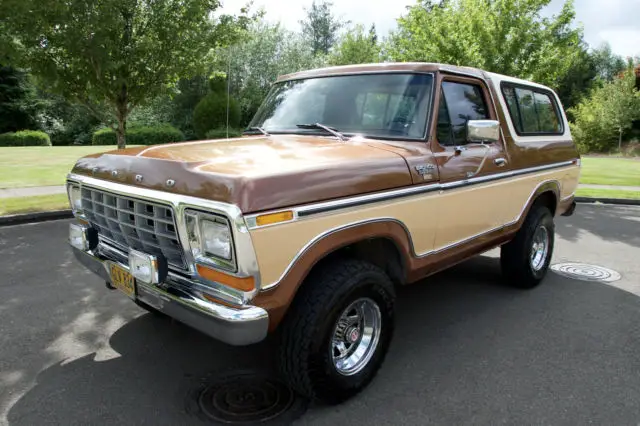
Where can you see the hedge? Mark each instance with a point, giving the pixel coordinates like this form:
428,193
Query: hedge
221,133
25,138
144,135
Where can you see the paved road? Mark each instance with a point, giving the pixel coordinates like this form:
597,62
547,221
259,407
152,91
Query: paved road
466,351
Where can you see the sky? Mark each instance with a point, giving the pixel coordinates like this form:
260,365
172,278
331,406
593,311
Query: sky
613,21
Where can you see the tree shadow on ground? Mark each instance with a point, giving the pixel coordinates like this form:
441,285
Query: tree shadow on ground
610,223
467,349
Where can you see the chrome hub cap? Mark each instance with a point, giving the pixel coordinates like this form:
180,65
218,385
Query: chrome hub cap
539,248
355,336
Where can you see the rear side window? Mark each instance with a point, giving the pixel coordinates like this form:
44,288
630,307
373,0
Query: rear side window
533,111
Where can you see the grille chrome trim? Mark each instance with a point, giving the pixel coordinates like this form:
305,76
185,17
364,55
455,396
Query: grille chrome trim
247,263
132,223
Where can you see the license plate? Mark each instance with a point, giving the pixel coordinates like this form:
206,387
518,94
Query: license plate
123,280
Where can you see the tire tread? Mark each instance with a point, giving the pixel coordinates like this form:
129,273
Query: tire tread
514,256
304,319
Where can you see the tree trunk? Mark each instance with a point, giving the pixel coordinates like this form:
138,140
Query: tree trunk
620,140
121,131
122,112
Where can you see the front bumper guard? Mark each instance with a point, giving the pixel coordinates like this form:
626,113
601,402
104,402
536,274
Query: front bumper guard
241,326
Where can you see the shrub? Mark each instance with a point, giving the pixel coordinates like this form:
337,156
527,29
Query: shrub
211,113
632,149
143,135
77,128
104,136
25,138
221,133
604,118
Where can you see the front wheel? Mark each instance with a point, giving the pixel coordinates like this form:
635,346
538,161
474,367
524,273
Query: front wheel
338,331
525,259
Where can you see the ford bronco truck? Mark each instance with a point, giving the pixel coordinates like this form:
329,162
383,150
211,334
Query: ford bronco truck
348,182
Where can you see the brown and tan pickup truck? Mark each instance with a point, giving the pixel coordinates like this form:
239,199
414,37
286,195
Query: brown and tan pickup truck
348,182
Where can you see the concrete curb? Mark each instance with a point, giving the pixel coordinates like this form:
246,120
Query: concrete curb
618,201
21,219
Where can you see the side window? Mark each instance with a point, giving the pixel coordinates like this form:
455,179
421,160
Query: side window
528,113
463,102
443,127
512,103
532,111
547,115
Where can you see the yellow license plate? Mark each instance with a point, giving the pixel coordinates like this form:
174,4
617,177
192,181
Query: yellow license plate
123,280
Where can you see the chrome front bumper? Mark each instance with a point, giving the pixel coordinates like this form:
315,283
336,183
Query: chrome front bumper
241,326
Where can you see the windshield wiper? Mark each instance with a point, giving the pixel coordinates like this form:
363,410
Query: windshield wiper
258,129
328,129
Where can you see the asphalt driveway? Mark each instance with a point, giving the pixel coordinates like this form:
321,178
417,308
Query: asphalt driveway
467,350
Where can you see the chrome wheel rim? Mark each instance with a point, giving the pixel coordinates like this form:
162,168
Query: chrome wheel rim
355,336
539,248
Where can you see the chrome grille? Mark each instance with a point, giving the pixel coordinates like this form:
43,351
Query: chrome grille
130,223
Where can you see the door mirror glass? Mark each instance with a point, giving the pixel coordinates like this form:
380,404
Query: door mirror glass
483,131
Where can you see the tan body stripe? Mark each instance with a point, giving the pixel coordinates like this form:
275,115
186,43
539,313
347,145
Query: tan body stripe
435,220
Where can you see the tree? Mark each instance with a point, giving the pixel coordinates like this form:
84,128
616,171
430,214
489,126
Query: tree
603,117
216,110
321,26
579,79
113,55
607,64
266,52
589,69
504,36
357,47
19,104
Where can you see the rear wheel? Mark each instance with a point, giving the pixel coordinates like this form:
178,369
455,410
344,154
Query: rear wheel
338,330
525,259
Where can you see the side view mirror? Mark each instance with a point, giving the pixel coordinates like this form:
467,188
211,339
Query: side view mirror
483,131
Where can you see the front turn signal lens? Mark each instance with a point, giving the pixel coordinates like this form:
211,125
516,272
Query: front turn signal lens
271,218
242,284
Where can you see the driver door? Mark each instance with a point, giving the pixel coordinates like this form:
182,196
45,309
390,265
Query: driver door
468,207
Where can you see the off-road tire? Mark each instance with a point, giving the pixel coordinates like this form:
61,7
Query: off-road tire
515,256
305,347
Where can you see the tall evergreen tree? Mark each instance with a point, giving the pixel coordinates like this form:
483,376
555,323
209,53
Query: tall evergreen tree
321,26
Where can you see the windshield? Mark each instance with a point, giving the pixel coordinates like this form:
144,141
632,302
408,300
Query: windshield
375,105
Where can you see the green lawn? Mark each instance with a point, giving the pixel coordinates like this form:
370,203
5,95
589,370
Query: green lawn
608,193
40,203
610,171
40,165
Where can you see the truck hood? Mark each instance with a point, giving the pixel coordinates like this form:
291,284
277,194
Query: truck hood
255,173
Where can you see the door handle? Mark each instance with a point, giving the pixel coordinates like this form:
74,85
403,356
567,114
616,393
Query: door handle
500,162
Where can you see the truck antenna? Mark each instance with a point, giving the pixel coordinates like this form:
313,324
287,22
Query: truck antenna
228,88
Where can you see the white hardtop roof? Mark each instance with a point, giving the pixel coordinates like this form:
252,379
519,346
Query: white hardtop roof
498,78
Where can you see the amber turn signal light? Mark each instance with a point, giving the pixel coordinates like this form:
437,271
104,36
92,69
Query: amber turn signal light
243,284
270,218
